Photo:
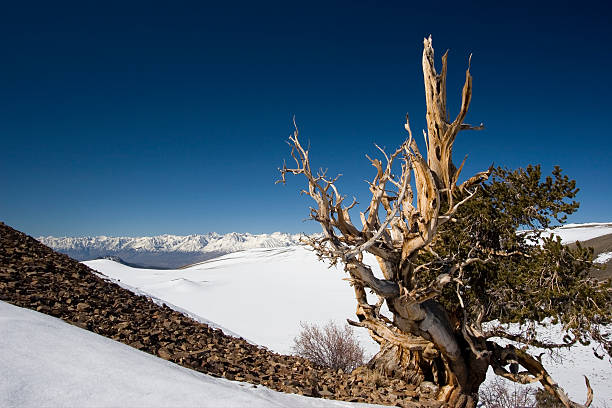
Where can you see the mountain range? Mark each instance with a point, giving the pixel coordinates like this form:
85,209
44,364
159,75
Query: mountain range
175,251
166,251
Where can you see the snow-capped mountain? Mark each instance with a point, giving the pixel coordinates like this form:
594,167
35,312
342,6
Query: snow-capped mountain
173,251
166,251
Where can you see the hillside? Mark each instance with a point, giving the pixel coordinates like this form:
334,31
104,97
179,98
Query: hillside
279,283
286,285
35,277
203,289
602,248
63,365
595,235
570,233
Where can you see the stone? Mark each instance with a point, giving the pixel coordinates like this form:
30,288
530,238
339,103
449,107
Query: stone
122,325
82,306
164,353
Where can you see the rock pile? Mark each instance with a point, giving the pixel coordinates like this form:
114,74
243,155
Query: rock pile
35,277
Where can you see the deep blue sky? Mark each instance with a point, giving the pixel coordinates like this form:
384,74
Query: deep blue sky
139,118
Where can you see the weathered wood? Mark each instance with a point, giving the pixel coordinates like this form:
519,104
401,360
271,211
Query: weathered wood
420,343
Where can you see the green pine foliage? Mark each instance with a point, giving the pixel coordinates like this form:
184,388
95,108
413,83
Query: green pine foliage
526,276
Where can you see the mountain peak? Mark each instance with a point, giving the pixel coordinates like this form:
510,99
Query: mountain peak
168,251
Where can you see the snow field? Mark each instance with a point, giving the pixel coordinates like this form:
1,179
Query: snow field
46,362
263,294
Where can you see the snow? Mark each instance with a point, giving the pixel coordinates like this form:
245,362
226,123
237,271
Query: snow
232,242
211,242
174,251
571,233
263,294
49,363
603,258
568,367
260,294
166,251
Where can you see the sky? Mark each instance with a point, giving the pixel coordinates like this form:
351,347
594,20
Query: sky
143,118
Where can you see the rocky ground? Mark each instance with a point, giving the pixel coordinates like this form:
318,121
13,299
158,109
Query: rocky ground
35,277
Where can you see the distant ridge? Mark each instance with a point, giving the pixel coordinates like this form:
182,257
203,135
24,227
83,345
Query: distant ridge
175,251
166,251
570,233
122,262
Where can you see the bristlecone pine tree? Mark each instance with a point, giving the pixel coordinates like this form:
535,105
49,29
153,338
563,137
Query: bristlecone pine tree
453,258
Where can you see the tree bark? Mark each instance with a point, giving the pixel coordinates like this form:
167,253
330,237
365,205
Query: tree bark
433,376
445,369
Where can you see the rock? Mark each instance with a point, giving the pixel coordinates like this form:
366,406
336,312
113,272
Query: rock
122,325
137,345
83,306
43,309
164,353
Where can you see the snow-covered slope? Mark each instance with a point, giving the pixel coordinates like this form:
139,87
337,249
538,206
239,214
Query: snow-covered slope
571,233
263,294
49,363
166,250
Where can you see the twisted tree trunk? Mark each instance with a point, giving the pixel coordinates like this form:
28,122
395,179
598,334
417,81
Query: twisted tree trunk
439,360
